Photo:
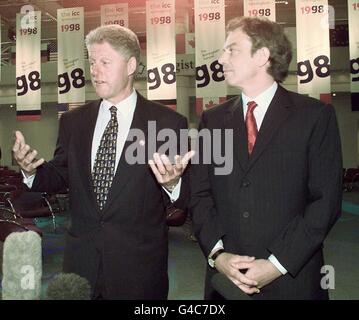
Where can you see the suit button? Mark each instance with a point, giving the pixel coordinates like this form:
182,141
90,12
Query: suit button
245,183
245,214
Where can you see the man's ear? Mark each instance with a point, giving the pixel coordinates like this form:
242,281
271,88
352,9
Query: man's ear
263,55
131,66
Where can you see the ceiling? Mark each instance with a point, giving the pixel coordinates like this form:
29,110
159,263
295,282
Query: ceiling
285,13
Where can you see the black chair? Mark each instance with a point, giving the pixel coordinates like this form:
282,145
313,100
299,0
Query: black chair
351,176
10,222
32,205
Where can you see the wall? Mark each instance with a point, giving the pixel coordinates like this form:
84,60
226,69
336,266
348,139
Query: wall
348,126
41,135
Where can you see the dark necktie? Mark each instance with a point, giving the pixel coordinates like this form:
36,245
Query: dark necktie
104,167
251,125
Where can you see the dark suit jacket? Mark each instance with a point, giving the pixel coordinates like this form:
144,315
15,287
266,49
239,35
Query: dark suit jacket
130,234
281,200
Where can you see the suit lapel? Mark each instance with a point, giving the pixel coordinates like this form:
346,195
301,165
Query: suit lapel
124,170
278,111
234,119
86,132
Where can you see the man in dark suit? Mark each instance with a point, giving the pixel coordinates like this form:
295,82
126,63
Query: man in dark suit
263,225
117,237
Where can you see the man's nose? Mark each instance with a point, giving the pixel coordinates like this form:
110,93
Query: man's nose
94,70
222,58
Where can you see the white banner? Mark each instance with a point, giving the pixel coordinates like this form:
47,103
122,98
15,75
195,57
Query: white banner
161,51
313,49
259,8
353,22
210,38
71,64
115,14
28,65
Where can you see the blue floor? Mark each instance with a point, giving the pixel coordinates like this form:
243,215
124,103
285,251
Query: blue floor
350,207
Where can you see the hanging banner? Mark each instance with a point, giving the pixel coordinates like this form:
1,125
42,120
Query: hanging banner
28,65
313,49
259,8
205,103
190,43
115,14
210,38
353,22
161,51
70,63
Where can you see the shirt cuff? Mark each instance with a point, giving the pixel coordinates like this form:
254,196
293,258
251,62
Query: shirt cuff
219,245
277,264
28,180
174,195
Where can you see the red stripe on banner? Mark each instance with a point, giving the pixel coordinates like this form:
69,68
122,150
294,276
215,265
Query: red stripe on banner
180,43
325,97
199,106
222,99
210,104
170,103
172,106
28,118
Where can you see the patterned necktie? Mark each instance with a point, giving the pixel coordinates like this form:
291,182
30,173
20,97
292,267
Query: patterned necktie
251,125
104,167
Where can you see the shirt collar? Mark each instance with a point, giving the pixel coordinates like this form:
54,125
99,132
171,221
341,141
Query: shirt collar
264,99
125,107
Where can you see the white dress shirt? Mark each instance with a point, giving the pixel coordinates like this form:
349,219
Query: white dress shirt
125,112
263,101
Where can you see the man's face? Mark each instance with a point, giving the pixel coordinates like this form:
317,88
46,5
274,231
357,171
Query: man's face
110,72
240,68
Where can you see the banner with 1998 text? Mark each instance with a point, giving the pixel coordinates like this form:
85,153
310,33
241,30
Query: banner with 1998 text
161,51
260,8
28,65
115,14
313,49
71,64
353,22
210,38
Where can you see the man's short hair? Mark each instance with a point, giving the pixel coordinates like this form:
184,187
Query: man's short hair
121,39
265,33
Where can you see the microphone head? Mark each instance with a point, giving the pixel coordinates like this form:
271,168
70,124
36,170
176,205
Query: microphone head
68,286
22,266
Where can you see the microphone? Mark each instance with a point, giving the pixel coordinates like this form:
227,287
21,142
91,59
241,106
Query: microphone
22,266
68,286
